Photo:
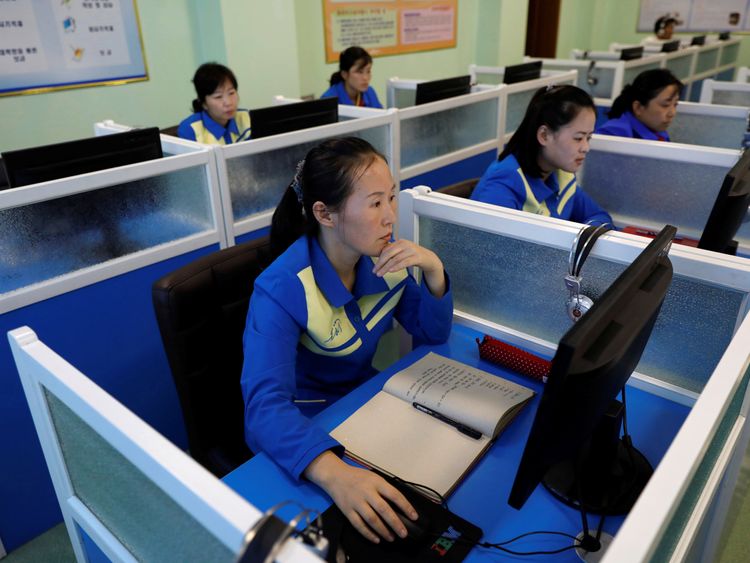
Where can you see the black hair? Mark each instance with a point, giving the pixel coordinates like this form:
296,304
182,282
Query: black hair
646,86
663,22
347,59
553,106
207,79
327,174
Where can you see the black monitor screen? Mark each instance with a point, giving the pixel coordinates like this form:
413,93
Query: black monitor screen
275,120
724,36
522,72
631,53
670,46
698,40
50,162
435,90
729,209
593,361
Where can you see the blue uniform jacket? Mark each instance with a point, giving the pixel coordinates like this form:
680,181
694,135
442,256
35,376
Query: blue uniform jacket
202,128
308,341
504,183
628,125
370,98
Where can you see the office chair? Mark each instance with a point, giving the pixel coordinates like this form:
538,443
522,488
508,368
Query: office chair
460,189
171,130
201,310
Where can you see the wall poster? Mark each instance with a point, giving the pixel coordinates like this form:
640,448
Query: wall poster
696,15
389,27
48,45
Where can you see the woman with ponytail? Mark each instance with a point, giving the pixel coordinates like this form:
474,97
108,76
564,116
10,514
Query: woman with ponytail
216,119
645,108
351,82
536,170
317,314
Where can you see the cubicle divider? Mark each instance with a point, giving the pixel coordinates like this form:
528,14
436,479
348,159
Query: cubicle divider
507,270
658,183
77,258
707,125
515,98
726,93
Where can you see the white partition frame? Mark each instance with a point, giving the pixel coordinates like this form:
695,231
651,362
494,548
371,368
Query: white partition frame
710,86
548,78
647,521
481,93
102,179
384,118
216,507
169,144
743,74
344,110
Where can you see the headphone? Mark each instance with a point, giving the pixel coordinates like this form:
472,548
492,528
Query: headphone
591,79
578,304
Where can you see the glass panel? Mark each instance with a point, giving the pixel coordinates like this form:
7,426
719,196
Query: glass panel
151,525
489,78
680,66
604,78
405,98
731,98
257,181
686,343
708,130
436,134
706,61
43,240
694,489
645,192
630,73
517,104
729,54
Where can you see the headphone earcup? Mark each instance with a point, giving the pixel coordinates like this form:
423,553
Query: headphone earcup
577,306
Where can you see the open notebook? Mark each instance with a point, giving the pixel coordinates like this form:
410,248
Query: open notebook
431,421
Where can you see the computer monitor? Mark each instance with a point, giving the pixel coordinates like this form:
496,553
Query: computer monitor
575,438
729,209
670,46
724,36
284,118
698,40
630,53
435,90
522,72
60,160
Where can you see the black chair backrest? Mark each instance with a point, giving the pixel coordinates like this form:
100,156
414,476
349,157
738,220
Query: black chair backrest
201,310
460,189
171,130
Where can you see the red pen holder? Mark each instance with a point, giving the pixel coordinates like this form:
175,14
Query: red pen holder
511,357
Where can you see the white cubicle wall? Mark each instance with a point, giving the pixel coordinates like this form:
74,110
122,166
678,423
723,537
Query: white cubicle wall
648,183
515,98
692,358
725,93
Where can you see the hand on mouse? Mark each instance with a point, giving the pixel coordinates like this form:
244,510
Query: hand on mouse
361,495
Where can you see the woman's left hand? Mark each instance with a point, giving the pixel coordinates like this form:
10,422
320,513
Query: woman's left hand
404,254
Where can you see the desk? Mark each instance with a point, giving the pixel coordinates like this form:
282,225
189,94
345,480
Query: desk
482,496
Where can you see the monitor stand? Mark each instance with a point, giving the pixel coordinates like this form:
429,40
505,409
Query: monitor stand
607,475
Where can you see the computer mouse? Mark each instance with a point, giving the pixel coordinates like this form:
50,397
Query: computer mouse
416,530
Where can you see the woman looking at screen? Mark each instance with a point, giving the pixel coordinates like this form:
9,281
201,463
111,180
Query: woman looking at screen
645,108
536,170
351,82
216,119
318,311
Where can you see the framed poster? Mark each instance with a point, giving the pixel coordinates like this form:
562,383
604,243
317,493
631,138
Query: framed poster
388,28
47,45
696,15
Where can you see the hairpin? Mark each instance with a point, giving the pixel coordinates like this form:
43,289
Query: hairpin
297,181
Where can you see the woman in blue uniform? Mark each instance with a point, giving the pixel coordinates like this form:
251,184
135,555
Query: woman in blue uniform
351,82
536,170
216,120
645,108
317,313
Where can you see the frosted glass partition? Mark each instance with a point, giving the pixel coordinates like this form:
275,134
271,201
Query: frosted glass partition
730,51
681,63
631,72
489,270
725,93
507,269
254,174
708,59
88,224
140,515
710,125
656,183
596,77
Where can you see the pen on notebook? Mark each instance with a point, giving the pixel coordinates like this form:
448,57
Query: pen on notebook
470,432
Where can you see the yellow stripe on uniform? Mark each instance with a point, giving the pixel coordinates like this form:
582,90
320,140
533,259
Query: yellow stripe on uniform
565,179
531,205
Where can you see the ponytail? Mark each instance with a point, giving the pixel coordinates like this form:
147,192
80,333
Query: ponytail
623,102
289,222
197,106
336,78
